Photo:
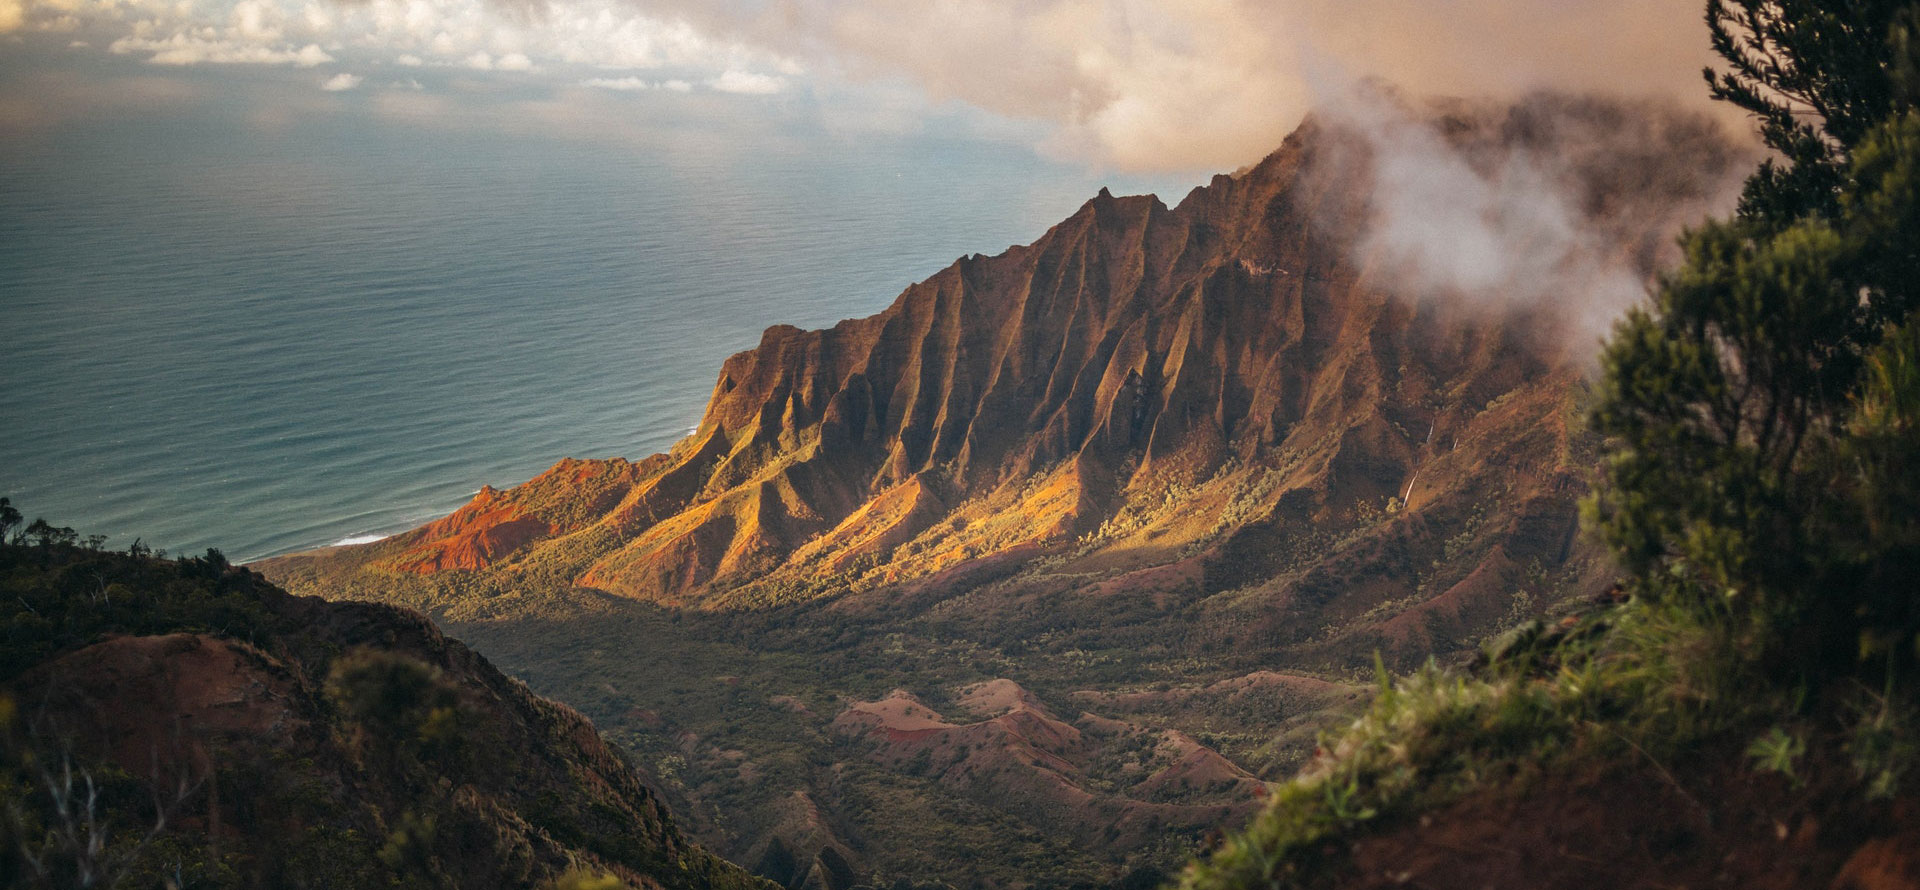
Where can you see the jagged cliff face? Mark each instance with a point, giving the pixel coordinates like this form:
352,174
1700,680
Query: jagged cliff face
1239,392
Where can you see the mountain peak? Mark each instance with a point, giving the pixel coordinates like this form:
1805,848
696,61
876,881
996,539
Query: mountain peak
1152,396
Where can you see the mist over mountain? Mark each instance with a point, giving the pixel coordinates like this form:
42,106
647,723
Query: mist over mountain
1303,341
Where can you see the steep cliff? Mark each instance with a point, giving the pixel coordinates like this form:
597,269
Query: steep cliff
1242,392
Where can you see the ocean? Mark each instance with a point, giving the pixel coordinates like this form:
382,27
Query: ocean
268,340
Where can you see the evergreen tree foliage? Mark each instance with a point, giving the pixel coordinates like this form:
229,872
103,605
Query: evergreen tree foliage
1816,75
1761,408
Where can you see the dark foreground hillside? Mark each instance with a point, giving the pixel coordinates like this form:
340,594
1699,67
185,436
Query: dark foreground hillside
186,724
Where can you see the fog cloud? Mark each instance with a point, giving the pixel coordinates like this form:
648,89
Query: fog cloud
1568,202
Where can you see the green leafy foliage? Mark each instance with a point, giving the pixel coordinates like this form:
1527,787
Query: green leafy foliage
405,705
1777,751
1642,684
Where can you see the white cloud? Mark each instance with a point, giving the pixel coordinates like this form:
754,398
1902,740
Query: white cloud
256,20
637,84
1512,215
182,49
624,84
316,17
410,60
341,82
311,55
745,82
514,62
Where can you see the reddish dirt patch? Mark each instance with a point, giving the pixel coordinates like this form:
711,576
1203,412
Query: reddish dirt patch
1039,767
996,697
898,713
475,536
1197,766
145,697
1638,828
1888,863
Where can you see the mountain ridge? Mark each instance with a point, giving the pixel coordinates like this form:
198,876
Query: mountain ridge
1019,402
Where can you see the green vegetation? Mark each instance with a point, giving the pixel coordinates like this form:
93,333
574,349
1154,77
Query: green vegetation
587,880
1763,408
60,597
1638,684
186,724
1760,485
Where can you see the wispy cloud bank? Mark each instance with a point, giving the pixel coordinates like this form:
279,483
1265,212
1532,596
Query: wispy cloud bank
183,49
1209,84
1135,85
1560,202
748,83
13,15
479,35
636,84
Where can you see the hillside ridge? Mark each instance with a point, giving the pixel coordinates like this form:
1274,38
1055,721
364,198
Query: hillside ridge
261,739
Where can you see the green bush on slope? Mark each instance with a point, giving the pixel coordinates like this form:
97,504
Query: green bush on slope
1639,681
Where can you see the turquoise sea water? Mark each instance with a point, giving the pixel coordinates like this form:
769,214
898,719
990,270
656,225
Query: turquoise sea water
264,343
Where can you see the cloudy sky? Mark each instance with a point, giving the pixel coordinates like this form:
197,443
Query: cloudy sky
1132,86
